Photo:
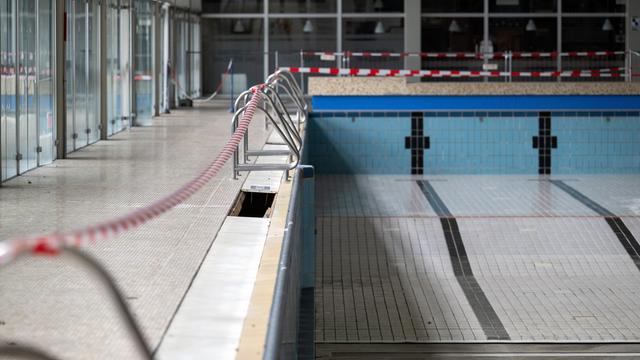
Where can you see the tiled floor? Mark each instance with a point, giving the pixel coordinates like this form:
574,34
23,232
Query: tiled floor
550,267
55,305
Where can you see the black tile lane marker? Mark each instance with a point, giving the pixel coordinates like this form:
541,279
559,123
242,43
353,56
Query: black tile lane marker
544,142
489,320
417,142
616,224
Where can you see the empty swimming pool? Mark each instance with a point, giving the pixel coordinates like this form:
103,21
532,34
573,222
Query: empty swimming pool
504,225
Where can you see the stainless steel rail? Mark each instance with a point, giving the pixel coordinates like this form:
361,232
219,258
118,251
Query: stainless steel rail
279,86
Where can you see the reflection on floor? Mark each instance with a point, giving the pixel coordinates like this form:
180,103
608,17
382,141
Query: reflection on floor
477,258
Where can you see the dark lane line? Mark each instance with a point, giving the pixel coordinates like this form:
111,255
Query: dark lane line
622,232
489,320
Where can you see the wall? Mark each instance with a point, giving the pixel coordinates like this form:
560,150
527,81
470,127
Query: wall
475,142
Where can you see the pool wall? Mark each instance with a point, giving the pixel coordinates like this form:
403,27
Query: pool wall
498,141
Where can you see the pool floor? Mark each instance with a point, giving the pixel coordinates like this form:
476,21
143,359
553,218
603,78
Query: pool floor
433,259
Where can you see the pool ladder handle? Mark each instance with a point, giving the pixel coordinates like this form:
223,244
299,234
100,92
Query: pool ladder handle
288,129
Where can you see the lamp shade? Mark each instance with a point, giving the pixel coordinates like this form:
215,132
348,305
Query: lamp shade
238,27
308,27
454,27
531,26
379,28
607,26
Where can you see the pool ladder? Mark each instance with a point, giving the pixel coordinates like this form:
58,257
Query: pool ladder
279,85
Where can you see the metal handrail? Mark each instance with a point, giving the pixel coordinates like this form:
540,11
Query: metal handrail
277,114
107,280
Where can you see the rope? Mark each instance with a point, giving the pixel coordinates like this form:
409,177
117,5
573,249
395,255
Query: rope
174,80
51,243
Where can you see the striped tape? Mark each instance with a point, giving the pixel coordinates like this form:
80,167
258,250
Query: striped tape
463,55
51,243
451,73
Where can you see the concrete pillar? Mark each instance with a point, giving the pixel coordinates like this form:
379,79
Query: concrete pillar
633,36
412,33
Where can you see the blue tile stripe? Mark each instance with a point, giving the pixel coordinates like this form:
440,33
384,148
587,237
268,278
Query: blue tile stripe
453,103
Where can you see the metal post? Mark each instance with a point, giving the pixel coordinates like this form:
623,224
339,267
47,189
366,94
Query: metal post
627,66
302,65
58,78
157,57
277,61
132,65
37,88
102,71
17,64
232,107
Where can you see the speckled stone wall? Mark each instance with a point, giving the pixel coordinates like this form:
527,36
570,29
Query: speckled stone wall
399,86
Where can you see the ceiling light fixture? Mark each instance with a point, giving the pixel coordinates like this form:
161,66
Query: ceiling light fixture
454,27
379,28
308,27
238,27
607,26
531,26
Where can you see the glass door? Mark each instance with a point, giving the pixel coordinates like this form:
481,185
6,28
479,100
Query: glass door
119,69
27,136
45,89
143,78
27,101
82,85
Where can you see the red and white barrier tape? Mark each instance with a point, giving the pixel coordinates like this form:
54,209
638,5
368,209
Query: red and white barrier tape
463,55
451,73
50,244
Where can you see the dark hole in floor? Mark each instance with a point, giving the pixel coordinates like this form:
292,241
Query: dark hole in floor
253,204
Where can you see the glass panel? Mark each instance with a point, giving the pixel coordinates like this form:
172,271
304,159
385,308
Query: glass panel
8,130
124,48
511,34
240,39
46,121
372,6
93,73
70,74
452,6
182,38
374,35
451,35
288,37
28,139
582,34
118,60
226,6
195,55
143,78
80,44
166,71
585,6
113,68
302,6
527,6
